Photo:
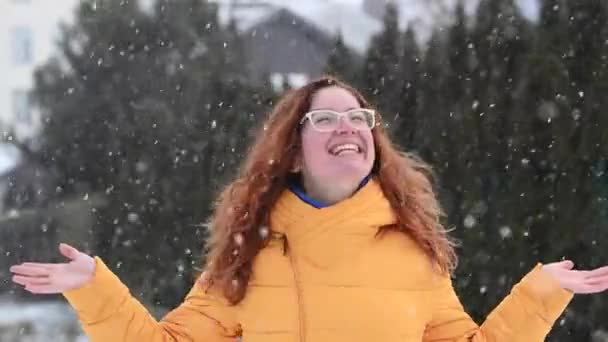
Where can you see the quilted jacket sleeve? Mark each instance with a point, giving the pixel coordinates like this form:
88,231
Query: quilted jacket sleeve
526,314
108,312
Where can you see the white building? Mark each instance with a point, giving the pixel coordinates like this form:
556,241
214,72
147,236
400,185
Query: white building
28,34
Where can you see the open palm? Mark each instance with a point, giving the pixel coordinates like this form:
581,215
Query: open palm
56,277
578,281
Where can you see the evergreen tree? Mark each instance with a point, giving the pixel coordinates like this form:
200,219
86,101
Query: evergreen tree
341,62
153,111
382,80
573,145
405,125
427,139
459,142
549,104
484,95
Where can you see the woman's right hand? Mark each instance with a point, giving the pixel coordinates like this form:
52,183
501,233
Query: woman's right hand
56,278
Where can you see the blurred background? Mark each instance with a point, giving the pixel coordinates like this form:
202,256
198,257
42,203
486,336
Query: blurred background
121,120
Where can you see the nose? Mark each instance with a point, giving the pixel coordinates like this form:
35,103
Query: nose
344,127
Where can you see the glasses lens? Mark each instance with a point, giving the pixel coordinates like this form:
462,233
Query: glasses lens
326,121
361,119
323,120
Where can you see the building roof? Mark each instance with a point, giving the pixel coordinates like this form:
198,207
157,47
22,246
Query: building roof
349,17
330,17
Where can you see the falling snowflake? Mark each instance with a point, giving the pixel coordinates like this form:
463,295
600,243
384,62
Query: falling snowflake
133,217
470,221
238,239
264,231
505,232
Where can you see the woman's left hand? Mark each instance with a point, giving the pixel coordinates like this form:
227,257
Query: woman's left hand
577,281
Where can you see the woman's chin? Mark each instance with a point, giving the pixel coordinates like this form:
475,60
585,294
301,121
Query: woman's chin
348,172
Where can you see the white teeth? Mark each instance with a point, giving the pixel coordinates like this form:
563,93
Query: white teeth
345,148
346,152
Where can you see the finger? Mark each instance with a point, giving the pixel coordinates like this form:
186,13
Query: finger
598,272
572,276
42,289
68,251
567,264
33,271
588,289
40,265
597,280
25,281
601,288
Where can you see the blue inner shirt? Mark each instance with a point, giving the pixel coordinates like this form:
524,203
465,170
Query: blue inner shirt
295,187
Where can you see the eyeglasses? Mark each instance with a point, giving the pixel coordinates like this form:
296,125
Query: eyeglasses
326,120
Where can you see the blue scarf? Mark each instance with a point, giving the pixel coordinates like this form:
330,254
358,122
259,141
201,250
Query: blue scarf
295,187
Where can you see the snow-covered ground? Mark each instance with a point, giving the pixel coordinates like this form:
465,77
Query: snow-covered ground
39,322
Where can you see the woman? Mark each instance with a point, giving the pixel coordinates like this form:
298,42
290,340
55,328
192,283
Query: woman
328,234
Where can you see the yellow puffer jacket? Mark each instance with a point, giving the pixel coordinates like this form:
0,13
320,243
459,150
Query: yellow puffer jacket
336,283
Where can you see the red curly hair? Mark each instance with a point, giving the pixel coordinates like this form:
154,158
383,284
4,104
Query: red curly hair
244,205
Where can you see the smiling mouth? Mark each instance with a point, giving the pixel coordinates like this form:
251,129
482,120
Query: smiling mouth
345,149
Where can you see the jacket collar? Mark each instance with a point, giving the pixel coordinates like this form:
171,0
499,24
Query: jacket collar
295,187
367,208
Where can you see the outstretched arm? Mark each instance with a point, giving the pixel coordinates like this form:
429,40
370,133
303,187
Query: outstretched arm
108,312
526,314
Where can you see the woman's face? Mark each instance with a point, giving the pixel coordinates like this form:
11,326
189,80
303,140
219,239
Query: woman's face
343,155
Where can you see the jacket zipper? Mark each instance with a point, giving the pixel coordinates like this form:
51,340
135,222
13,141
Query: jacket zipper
296,278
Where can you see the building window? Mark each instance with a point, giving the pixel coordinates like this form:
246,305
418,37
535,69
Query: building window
22,45
21,107
297,79
280,81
